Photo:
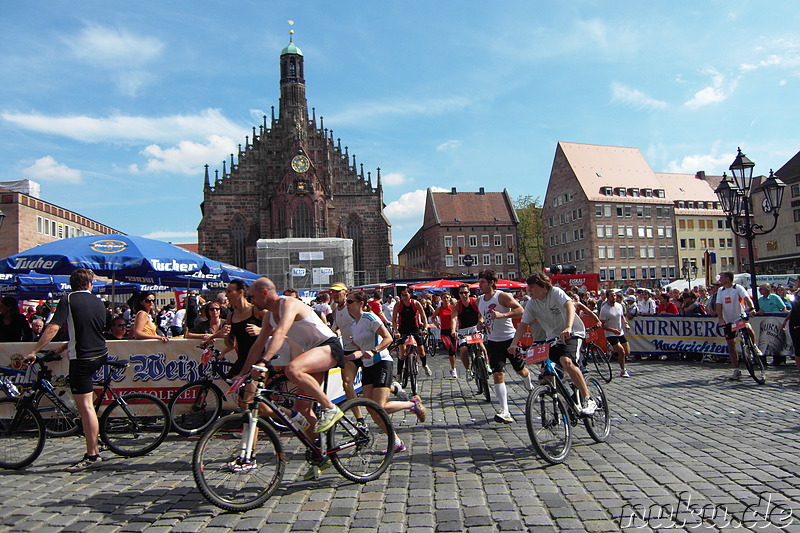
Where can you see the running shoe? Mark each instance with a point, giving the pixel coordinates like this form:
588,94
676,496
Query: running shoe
398,391
757,350
315,471
418,409
85,464
428,371
454,373
399,446
504,418
624,374
328,418
589,406
737,375
238,466
470,377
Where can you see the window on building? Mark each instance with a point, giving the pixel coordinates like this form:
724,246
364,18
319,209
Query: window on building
691,244
39,223
672,272
473,241
484,240
498,259
644,272
460,260
460,241
601,232
612,273
487,259
448,260
609,252
511,260
797,238
623,252
621,231
796,215
639,211
651,252
690,224
601,252
623,273
648,211
663,272
649,232
795,190
668,232
448,241
603,275
635,193
498,240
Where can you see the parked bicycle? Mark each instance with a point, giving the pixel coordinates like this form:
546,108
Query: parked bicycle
592,353
553,408
478,363
133,424
239,461
752,361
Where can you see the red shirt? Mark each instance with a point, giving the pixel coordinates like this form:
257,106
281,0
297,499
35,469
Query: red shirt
375,307
445,316
667,308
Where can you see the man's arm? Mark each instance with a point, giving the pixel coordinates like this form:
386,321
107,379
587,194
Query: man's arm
515,309
423,319
569,318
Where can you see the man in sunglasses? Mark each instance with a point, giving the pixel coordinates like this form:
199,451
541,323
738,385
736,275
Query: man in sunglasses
466,317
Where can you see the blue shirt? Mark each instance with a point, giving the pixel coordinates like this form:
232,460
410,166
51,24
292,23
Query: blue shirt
771,304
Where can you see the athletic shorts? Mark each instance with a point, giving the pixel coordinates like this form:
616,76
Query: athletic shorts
81,373
448,342
417,336
377,375
571,349
617,339
348,356
498,354
337,351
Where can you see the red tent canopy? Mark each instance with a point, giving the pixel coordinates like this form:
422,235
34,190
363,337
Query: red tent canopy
438,284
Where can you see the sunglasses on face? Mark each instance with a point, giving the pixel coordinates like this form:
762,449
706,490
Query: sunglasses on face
150,301
213,309
463,293
351,301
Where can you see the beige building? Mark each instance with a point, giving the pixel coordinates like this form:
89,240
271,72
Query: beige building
30,222
779,251
607,212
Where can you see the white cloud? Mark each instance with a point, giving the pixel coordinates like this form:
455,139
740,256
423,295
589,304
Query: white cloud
131,129
183,237
186,157
369,112
713,94
710,163
122,53
634,98
410,206
48,169
449,145
393,179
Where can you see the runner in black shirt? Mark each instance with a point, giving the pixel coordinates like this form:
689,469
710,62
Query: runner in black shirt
84,316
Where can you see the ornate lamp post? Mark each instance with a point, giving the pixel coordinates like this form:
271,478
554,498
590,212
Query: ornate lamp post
689,271
736,203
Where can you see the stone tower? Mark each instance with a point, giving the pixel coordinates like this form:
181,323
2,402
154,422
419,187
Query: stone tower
292,179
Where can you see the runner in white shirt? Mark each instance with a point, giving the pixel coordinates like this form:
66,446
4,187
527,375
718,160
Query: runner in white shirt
612,316
733,303
555,312
497,309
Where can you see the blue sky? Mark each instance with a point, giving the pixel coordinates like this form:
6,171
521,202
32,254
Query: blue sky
115,107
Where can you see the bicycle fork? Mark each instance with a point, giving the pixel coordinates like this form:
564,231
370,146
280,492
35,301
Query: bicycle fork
248,436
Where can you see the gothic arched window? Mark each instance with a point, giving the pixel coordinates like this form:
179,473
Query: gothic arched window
302,223
354,233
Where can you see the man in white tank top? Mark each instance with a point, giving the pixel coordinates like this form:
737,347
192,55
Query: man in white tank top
497,309
290,317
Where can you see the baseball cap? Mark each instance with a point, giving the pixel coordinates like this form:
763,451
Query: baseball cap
338,287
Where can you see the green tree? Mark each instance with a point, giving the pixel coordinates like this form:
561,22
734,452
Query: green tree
531,242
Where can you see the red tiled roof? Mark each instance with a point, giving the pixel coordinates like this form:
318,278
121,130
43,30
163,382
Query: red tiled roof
472,208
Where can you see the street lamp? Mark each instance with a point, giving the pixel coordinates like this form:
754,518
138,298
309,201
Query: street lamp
689,271
736,203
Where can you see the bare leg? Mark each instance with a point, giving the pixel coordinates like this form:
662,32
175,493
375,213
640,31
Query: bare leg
91,428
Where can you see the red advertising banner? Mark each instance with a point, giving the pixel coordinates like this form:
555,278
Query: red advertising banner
582,282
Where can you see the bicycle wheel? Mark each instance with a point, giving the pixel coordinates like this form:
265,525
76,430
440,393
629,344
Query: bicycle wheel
226,487
431,344
599,424
367,449
412,365
754,363
194,407
548,424
22,434
57,418
481,373
135,424
602,363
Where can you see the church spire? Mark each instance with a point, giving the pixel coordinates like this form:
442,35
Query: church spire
293,107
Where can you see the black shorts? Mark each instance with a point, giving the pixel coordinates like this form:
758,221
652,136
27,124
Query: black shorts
498,354
337,351
377,375
617,339
356,362
81,373
414,333
571,349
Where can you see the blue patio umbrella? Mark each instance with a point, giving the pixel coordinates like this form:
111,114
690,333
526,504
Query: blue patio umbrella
37,286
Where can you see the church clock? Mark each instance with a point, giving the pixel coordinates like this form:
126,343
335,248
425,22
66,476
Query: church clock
300,164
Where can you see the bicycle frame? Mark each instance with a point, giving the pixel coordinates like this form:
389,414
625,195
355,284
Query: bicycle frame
570,395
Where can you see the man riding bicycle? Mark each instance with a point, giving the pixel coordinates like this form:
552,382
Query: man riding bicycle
733,304
555,312
466,318
408,318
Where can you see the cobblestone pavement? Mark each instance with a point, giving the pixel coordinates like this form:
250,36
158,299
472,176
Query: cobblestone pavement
684,439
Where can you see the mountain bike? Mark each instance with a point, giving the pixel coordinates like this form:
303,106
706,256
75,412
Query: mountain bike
553,408
431,342
753,363
239,460
478,363
133,424
412,362
590,352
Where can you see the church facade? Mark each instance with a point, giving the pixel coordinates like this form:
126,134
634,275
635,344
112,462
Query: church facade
293,180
